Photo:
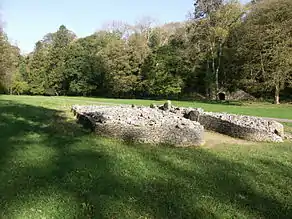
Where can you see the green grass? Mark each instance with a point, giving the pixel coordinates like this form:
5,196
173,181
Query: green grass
246,108
50,167
263,109
288,127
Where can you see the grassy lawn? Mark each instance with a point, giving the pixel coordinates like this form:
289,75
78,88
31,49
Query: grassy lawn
50,167
247,108
288,127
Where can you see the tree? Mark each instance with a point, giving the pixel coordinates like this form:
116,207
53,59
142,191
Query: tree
19,85
121,81
163,71
262,50
3,58
57,59
9,58
208,31
119,28
204,8
84,67
144,26
138,50
38,69
160,35
225,45
9,61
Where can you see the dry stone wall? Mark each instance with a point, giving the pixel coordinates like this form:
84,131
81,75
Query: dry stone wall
174,125
246,127
141,124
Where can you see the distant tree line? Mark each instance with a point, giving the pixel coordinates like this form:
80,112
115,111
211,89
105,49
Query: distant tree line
224,45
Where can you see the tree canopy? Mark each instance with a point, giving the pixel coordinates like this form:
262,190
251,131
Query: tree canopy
224,45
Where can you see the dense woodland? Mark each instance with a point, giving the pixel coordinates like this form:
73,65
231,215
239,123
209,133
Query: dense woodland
224,45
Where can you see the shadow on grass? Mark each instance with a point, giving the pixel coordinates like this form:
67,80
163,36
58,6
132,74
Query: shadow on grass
52,167
205,101
221,102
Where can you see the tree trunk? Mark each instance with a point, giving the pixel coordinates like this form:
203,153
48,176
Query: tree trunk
217,70
214,72
277,94
216,80
207,85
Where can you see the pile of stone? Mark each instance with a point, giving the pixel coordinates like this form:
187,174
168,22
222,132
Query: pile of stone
141,124
239,126
288,136
245,127
174,125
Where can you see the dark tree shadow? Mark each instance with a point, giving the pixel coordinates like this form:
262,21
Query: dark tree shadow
102,178
222,102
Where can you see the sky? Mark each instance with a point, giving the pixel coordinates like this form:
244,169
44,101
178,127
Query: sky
27,21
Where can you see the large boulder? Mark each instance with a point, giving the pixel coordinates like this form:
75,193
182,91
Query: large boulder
142,124
193,114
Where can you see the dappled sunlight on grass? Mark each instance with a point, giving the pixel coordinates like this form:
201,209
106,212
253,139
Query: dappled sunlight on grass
32,154
288,127
47,202
50,167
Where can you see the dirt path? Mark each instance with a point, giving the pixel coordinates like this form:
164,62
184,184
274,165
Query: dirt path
213,139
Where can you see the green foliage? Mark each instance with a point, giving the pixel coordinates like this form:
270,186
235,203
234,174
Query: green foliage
19,84
9,61
261,50
85,71
120,80
208,35
37,73
3,61
57,79
224,45
204,8
162,74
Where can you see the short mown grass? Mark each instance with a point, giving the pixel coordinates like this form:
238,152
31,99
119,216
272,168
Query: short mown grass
263,109
50,167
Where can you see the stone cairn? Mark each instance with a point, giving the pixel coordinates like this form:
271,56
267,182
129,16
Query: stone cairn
171,125
141,124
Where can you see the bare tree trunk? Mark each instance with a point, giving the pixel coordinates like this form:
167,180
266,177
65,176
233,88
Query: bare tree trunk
207,81
217,70
277,94
214,71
